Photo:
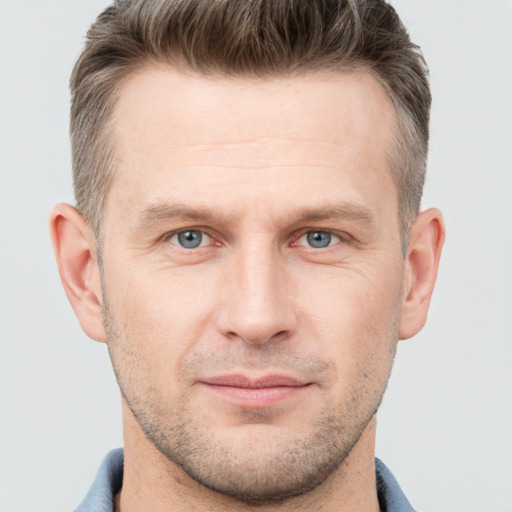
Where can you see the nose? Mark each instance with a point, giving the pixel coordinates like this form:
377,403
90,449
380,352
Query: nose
257,305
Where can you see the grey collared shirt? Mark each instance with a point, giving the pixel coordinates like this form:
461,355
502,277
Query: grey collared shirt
109,479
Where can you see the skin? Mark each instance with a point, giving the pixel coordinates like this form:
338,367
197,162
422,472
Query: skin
253,167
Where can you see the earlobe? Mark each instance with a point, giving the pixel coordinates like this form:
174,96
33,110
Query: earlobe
75,251
422,262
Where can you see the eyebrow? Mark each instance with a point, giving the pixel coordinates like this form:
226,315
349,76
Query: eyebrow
176,212
348,210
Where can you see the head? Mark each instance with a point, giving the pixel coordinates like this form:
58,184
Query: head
251,171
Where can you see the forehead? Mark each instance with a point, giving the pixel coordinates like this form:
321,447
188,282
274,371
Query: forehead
169,126
320,104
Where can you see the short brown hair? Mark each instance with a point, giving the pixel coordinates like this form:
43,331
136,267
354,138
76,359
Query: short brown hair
259,38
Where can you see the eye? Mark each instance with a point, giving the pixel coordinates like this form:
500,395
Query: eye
190,239
319,239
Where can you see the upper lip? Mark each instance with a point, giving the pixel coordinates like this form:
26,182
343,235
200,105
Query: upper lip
242,381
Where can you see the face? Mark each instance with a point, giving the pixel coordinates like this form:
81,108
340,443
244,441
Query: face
252,272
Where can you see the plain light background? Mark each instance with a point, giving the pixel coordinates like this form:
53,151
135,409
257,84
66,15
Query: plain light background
445,428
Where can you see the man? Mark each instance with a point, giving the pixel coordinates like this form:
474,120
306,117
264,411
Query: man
248,243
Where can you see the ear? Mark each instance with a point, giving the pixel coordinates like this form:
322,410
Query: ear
426,240
75,250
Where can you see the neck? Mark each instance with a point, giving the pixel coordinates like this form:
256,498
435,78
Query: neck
152,482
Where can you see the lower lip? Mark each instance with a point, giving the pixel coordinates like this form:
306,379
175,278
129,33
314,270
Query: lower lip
257,397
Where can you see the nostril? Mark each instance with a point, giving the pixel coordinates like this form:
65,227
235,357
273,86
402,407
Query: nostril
279,335
258,338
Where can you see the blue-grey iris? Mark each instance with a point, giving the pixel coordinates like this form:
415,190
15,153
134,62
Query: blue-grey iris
190,239
319,239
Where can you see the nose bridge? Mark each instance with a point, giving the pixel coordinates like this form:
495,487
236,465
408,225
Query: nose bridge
258,307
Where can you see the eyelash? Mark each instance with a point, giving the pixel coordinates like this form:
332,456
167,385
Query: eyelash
169,236
306,234
338,238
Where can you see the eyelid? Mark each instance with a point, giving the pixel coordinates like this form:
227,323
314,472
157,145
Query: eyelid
341,238
171,234
334,238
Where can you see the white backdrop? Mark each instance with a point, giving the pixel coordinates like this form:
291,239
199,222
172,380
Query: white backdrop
446,422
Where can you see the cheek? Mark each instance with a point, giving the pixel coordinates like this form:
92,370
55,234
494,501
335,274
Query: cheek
153,334
162,313
349,300
354,319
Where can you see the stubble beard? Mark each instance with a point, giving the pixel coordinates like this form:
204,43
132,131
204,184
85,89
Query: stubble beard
263,472
260,473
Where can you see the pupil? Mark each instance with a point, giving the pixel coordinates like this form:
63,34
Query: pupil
190,239
319,239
